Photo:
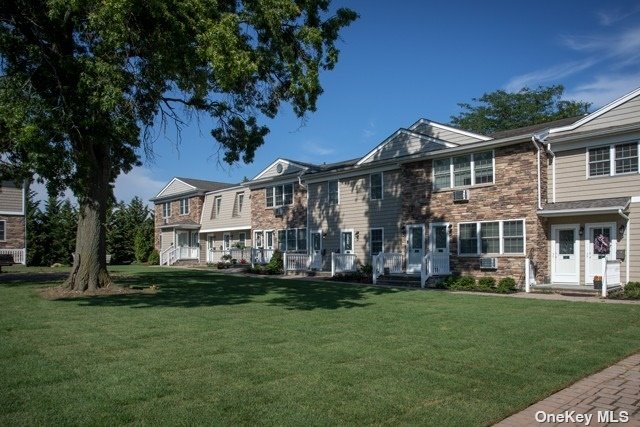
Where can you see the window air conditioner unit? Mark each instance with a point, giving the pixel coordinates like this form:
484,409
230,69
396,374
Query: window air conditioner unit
278,211
488,263
461,196
165,221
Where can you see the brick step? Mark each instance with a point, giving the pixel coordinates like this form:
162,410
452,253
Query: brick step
572,291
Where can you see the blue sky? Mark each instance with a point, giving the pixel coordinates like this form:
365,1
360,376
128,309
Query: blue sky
418,59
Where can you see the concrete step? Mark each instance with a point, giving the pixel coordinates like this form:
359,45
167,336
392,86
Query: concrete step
310,273
574,291
399,280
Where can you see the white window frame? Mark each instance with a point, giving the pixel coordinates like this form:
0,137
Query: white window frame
337,202
239,202
501,222
273,190
371,240
381,186
184,206
3,237
286,238
612,160
242,239
217,207
473,171
166,209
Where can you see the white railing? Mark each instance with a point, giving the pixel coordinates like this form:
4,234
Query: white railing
611,275
315,261
168,256
392,261
172,254
377,266
426,268
296,262
223,255
341,263
440,264
261,255
19,255
529,275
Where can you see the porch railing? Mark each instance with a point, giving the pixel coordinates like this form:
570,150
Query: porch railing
168,256
426,269
172,254
393,261
261,255
377,267
19,255
342,263
296,262
215,255
610,276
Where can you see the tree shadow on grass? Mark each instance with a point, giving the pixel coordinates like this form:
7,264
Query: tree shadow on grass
197,289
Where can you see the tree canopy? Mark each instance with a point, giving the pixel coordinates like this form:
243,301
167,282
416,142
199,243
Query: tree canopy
502,110
83,82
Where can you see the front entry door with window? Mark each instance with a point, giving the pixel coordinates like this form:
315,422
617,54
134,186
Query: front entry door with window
346,242
439,247
316,250
565,254
211,247
226,241
601,245
415,248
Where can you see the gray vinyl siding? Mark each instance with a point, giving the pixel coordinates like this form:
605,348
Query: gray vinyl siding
572,182
286,169
444,134
357,212
229,216
176,187
10,198
627,113
404,145
634,236
167,239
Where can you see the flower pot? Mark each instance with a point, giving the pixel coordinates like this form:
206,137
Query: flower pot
597,284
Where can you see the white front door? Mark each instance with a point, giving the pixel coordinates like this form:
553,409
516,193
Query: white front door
600,245
346,242
439,247
226,241
211,245
257,238
565,254
268,239
316,250
415,247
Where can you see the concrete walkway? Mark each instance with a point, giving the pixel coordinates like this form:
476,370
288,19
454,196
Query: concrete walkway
613,392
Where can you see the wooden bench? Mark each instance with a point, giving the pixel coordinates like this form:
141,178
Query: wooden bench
6,260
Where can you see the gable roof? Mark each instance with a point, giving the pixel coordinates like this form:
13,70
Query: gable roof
530,130
201,184
294,163
189,186
432,144
448,128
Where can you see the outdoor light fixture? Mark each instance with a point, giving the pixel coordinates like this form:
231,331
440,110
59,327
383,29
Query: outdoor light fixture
357,235
581,231
324,235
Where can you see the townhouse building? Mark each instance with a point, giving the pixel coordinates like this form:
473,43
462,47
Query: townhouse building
12,220
547,202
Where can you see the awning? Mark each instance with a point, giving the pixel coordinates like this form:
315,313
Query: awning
182,225
586,207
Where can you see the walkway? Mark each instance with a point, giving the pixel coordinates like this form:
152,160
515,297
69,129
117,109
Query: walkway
612,392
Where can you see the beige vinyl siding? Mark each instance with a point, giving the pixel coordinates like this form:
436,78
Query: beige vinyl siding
572,182
229,217
166,237
10,198
627,113
286,169
176,187
444,134
402,145
358,213
634,235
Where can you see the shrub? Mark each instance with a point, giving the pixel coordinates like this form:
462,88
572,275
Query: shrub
226,257
221,265
632,290
448,283
154,258
486,283
244,261
276,264
367,270
464,283
506,285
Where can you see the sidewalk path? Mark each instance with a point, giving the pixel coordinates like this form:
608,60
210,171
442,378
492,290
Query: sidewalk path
613,391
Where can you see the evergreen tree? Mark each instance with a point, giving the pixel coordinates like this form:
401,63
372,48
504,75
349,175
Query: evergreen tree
144,239
35,230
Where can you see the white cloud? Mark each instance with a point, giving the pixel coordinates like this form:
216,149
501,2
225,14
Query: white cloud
370,130
536,78
318,149
610,17
139,182
604,89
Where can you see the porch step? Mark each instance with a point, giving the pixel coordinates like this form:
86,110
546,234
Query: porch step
409,280
573,291
186,263
310,273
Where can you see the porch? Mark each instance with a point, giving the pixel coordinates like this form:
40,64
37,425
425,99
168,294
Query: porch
19,255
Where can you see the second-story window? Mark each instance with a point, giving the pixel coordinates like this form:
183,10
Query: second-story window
613,159
217,206
184,206
239,202
166,210
3,236
332,190
462,171
279,195
375,182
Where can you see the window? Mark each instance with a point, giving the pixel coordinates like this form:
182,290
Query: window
375,181
3,235
613,159
242,239
166,210
184,206
377,238
217,205
279,195
239,202
491,237
470,169
292,240
332,190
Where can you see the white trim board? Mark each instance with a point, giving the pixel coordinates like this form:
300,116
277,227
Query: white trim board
449,128
217,230
159,195
275,162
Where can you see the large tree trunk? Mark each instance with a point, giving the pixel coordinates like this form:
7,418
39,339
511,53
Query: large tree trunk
89,271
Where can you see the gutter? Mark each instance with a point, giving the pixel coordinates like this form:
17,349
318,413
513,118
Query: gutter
628,248
533,140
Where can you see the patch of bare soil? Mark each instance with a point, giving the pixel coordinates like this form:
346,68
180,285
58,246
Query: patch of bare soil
59,292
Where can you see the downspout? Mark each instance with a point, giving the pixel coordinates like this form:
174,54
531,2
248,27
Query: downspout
628,248
533,140
553,172
25,190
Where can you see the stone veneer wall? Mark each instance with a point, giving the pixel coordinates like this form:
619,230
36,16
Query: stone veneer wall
195,212
14,232
294,216
512,196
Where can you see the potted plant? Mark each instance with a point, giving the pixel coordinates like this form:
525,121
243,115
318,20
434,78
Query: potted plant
597,282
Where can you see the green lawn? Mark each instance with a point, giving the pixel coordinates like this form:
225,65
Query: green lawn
214,349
